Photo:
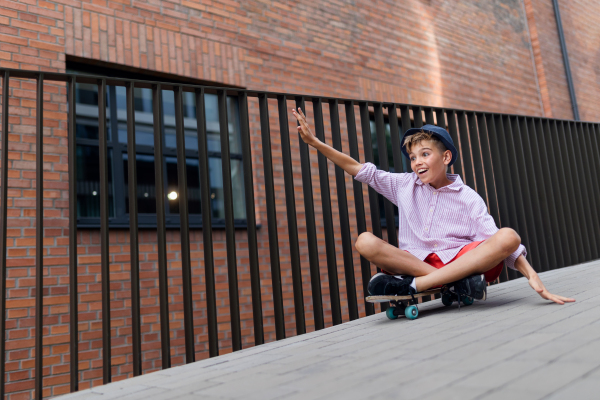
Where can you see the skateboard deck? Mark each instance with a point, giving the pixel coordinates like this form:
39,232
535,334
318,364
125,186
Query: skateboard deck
407,305
385,299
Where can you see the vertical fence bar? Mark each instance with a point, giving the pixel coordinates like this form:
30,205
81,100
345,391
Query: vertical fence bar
3,221
395,138
234,297
553,190
561,173
465,149
271,217
311,229
134,250
564,134
405,119
429,119
544,238
259,337
574,151
440,118
477,161
104,243
418,116
39,236
501,172
501,176
340,181
290,203
515,202
359,205
332,273
184,231
365,122
594,182
486,159
206,209
73,297
581,190
161,241
586,185
592,133
540,159
451,115
516,148
384,164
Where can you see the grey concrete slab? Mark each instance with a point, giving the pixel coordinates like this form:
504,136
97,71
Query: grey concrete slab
514,345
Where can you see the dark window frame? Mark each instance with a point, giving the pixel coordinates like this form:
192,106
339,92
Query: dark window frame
118,151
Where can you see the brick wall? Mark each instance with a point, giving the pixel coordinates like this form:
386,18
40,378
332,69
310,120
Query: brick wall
582,37
498,56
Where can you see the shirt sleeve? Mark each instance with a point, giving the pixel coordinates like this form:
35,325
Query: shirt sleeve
485,227
384,183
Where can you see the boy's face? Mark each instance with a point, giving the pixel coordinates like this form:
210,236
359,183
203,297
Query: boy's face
429,163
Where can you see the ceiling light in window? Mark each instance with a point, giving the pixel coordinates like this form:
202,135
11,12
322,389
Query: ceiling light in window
172,196
94,193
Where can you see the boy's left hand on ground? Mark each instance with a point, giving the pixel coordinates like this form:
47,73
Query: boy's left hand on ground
537,285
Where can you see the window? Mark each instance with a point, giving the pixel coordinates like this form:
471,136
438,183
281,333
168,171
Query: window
88,176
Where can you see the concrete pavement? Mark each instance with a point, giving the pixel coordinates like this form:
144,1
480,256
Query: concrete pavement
513,345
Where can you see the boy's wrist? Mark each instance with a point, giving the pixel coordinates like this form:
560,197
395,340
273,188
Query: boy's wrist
315,143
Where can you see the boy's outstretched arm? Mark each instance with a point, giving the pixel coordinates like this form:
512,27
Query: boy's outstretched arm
536,283
340,159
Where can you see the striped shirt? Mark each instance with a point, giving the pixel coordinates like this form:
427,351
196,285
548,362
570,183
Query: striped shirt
439,221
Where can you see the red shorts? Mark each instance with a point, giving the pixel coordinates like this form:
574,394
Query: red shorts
490,276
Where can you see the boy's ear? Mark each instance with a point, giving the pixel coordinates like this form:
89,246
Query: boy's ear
447,157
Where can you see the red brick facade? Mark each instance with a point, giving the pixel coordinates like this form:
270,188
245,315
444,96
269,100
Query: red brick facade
499,56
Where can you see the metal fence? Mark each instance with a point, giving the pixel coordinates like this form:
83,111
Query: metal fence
539,176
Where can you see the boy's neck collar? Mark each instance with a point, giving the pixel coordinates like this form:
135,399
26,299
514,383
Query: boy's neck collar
456,184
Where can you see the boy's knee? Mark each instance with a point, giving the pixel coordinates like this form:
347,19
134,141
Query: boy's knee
509,240
365,242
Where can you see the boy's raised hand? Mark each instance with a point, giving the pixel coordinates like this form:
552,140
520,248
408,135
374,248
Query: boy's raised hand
304,129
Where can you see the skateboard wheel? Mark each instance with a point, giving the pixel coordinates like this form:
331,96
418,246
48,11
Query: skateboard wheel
447,299
467,301
411,312
390,313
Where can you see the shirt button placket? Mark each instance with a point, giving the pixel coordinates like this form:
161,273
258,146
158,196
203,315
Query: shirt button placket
431,208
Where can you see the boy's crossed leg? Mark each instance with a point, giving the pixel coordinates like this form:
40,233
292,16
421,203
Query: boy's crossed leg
477,261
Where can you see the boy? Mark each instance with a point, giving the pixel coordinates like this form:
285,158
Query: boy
446,236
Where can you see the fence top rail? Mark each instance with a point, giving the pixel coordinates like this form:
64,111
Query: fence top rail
113,81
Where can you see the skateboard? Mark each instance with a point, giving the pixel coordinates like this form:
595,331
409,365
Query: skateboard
402,304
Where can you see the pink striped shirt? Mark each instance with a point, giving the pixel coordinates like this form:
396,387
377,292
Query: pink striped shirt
438,221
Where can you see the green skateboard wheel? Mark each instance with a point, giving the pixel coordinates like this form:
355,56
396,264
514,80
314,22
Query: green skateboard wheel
447,299
411,312
467,301
390,313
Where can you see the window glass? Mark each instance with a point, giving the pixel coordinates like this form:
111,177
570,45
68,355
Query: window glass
193,180
213,125
216,188
87,94
146,189
88,182
86,125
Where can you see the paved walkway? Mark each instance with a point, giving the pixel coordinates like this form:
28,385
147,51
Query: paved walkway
514,345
